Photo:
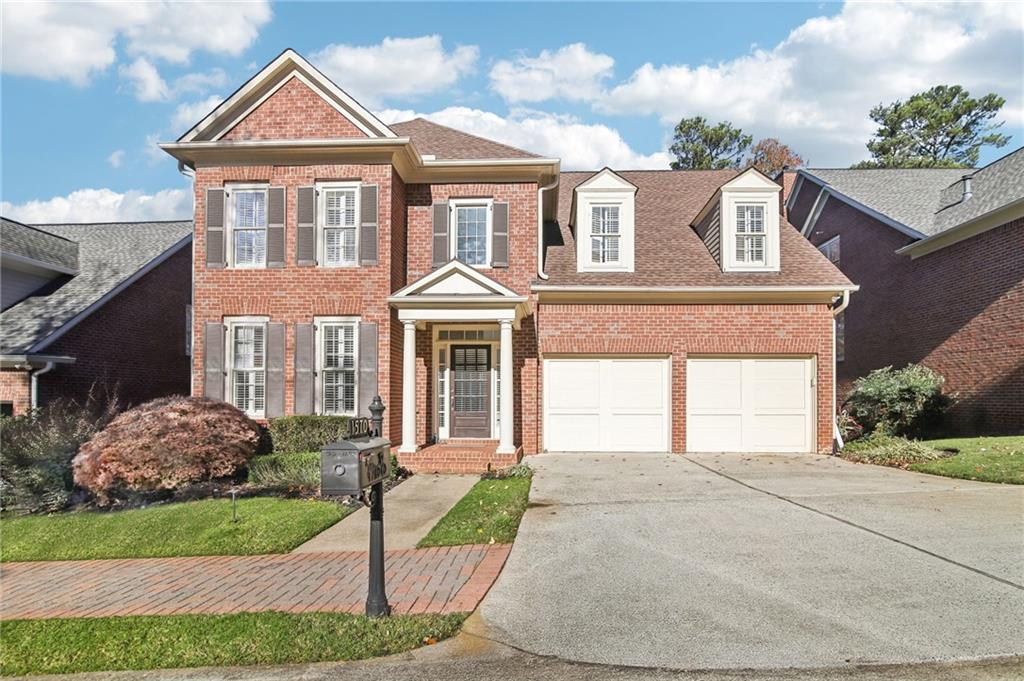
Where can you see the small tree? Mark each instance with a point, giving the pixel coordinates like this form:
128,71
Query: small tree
699,146
770,156
943,127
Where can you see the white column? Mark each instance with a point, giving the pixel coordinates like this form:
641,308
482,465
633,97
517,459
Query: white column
409,389
505,444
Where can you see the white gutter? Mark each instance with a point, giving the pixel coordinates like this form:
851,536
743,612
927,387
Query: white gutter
540,226
190,173
694,289
34,381
836,311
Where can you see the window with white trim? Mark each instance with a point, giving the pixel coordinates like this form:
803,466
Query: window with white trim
248,218
471,232
750,233
830,249
247,361
604,234
338,221
337,366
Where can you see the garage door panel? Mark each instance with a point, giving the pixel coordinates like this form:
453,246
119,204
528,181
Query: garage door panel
575,385
749,404
606,404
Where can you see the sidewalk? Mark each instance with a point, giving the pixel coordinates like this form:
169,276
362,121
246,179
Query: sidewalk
410,511
436,580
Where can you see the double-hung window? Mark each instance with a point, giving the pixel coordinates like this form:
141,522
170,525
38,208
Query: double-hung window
471,220
750,234
337,366
247,362
248,225
604,234
339,229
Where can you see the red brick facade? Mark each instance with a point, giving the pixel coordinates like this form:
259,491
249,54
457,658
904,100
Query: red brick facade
957,310
293,112
294,294
133,347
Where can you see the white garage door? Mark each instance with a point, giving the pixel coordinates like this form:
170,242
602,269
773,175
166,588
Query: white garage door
606,405
749,405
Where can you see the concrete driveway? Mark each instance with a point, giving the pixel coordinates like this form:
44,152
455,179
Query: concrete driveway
764,561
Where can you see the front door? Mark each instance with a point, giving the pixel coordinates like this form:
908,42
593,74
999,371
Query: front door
471,391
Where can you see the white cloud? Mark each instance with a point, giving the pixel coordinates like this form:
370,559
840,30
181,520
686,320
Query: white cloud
116,158
152,149
103,205
815,88
397,68
75,40
580,145
145,81
189,113
572,72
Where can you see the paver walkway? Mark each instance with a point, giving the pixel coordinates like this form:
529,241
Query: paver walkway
436,580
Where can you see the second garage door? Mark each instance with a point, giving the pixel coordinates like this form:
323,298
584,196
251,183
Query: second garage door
756,404
607,404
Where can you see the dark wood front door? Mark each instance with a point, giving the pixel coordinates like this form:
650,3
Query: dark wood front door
471,391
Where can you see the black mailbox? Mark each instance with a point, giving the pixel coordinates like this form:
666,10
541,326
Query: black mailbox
348,467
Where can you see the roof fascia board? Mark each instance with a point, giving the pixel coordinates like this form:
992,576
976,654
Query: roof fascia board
29,361
728,294
452,268
289,59
40,264
881,217
965,230
111,294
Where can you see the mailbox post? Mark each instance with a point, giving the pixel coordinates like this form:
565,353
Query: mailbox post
351,467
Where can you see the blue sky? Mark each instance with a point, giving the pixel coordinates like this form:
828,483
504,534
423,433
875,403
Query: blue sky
88,89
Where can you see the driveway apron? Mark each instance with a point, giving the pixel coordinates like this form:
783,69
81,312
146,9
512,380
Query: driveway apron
737,561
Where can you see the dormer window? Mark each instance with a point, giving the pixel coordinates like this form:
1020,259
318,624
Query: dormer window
750,234
602,219
604,234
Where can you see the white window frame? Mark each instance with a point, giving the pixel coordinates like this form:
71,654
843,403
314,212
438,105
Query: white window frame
231,323
739,206
617,205
587,200
443,377
453,226
230,190
731,200
318,324
321,222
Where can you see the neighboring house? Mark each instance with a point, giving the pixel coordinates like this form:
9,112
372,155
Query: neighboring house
939,256
93,308
496,304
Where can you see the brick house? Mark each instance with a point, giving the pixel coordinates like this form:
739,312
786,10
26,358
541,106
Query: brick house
498,305
98,308
939,259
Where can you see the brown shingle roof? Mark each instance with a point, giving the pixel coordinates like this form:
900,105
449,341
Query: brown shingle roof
668,252
447,143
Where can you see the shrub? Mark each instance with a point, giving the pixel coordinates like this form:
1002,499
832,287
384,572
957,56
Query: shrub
898,401
298,434
887,450
165,444
519,470
36,450
286,470
848,426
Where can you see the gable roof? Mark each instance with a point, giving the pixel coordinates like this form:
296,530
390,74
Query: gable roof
286,66
111,256
997,185
910,196
668,252
448,143
32,244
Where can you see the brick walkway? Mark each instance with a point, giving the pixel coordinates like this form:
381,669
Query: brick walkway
451,579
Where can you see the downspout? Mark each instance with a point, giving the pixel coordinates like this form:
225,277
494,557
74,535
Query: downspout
836,311
540,226
190,173
34,383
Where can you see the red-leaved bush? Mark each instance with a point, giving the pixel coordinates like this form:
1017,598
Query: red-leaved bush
165,444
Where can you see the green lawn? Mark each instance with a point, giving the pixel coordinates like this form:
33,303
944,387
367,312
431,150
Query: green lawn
490,511
61,646
194,528
991,459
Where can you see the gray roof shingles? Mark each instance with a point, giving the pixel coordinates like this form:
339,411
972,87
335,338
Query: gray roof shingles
36,244
996,185
109,253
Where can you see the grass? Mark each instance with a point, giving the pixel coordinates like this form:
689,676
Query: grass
62,646
990,459
193,528
490,512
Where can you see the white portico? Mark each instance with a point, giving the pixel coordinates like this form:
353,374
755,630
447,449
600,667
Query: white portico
471,318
